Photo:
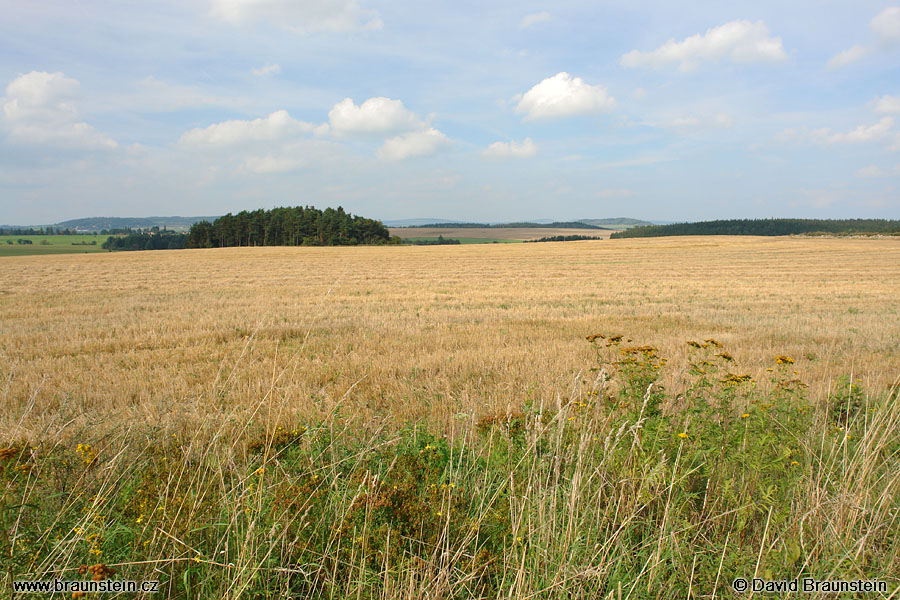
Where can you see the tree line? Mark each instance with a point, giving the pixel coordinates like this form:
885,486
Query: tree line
286,226
565,238
521,224
766,227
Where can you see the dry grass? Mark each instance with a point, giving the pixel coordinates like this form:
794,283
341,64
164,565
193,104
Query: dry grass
409,333
495,233
234,421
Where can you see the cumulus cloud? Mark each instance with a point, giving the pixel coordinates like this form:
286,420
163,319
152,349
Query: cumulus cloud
415,144
373,117
869,172
39,109
533,19
526,149
300,16
848,56
861,134
267,70
888,105
614,193
278,126
736,41
273,164
563,96
719,120
886,25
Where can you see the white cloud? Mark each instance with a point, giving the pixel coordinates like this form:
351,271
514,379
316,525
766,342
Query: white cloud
372,117
563,96
273,164
850,55
719,120
526,149
413,145
278,126
614,193
888,105
870,172
533,19
861,134
300,16
267,70
886,25
39,109
737,41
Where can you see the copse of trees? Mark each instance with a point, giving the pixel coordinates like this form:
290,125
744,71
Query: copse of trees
286,226
766,227
147,241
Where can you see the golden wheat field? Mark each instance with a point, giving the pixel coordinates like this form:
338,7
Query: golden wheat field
398,334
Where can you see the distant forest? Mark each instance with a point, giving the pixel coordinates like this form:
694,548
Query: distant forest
565,238
440,241
298,226
523,225
766,227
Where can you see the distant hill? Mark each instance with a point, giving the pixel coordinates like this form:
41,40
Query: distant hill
99,223
616,222
516,225
414,222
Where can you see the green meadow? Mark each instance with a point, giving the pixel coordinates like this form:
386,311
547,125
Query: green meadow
50,244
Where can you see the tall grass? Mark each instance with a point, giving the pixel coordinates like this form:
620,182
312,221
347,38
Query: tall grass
616,487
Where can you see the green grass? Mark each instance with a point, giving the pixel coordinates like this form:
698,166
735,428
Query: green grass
617,488
55,244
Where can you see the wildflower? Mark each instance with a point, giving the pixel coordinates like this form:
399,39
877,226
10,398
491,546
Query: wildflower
693,344
259,471
794,463
683,435
745,415
784,360
725,356
712,342
196,559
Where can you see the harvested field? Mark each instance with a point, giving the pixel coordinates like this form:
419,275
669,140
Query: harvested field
264,421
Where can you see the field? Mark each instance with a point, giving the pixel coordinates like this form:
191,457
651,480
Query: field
430,422
489,234
50,244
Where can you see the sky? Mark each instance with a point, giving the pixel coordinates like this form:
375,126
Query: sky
661,110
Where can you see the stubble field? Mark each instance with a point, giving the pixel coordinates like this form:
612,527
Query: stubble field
211,368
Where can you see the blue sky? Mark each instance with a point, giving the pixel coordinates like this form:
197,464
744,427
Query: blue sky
475,111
